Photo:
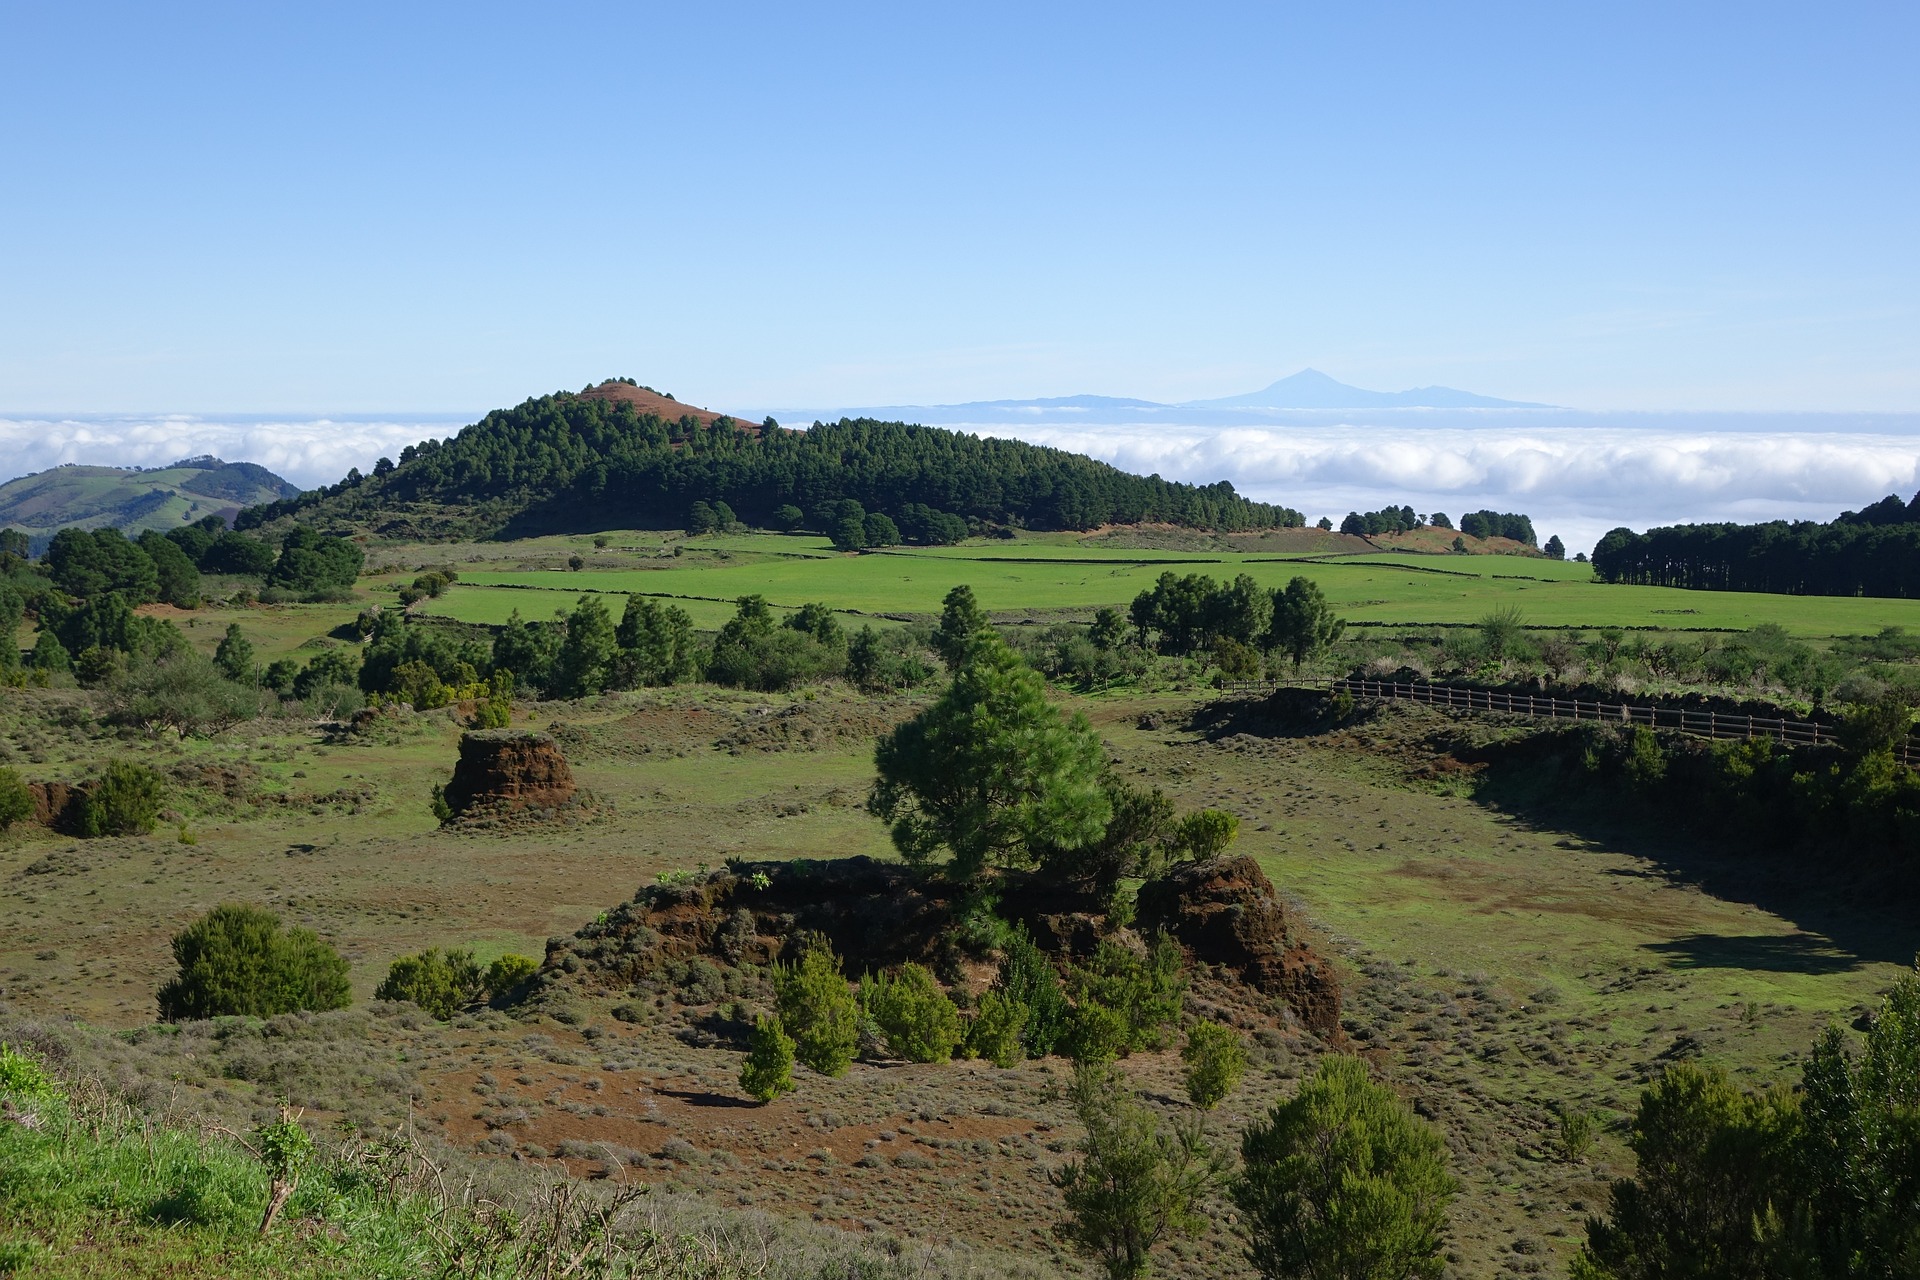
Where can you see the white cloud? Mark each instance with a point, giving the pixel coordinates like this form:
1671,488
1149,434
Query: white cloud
1575,481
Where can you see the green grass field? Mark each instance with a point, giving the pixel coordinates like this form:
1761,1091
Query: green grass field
1051,577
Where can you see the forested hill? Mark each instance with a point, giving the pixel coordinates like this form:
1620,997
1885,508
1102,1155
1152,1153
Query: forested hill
1874,552
606,459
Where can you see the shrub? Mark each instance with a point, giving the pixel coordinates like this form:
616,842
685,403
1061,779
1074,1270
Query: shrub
508,972
1094,1033
768,1071
917,1018
183,692
1027,977
124,802
237,959
440,982
16,802
817,1008
22,1077
1142,992
1344,1180
1206,833
1136,1183
1215,1058
996,1031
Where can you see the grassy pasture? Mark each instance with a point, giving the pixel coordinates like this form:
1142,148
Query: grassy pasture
1049,577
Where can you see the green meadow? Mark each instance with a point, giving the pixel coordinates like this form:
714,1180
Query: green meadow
1043,577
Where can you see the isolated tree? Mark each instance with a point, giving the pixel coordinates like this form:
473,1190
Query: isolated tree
992,772
961,618
848,533
234,657
1303,622
880,531
1555,549
1136,1183
1344,1182
1215,1057
237,959
1502,630
440,982
818,1009
768,1070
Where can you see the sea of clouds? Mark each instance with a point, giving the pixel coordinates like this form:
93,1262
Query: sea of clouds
1575,480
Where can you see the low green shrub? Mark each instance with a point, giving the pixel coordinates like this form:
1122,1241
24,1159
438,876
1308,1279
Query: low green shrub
440,982
126,801
768,1070
237,959
917,1018
817,1008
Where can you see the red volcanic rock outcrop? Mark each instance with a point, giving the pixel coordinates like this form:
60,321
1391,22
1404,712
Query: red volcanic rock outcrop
506,772
1224,912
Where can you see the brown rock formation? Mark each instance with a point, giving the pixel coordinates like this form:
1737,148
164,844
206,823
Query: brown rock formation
1224,911
507,772
55,804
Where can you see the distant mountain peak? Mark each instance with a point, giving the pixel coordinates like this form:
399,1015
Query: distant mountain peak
1312,389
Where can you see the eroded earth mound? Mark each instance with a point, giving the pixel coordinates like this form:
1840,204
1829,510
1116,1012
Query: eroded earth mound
878,914
501,773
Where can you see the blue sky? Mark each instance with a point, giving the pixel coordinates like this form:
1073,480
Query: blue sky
357,209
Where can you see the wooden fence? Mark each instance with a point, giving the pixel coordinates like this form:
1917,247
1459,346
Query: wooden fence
1706,724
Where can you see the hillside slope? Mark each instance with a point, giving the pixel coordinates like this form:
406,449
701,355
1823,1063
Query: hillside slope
610,458
131,499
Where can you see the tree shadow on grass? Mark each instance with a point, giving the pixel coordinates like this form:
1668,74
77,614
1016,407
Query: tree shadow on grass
1772,953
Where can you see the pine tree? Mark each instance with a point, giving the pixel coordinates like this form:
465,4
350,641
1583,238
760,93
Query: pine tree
768,1071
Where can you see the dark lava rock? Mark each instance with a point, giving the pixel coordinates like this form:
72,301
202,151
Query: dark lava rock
1224,911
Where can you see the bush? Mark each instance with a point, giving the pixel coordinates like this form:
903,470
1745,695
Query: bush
1215,1058
997,1029
183,692
22,1077
124,802
917,1018
1344,1180
237,959
508,972
440,982
1143,994
768,1071
16,802
817,1007
1027,977
1136,1183
1206,833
